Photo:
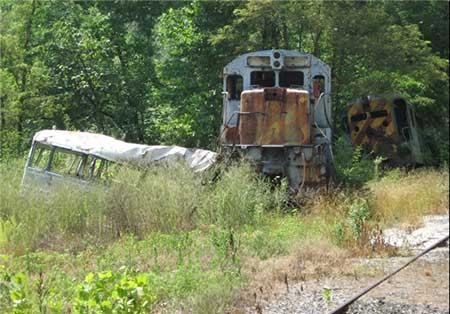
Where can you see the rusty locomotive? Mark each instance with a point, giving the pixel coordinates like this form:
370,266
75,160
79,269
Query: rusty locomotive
277,113
385,126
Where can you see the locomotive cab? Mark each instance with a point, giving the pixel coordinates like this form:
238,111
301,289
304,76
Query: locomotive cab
385,126
277,113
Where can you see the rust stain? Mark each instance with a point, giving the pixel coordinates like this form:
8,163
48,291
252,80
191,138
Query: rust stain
274,116
232,134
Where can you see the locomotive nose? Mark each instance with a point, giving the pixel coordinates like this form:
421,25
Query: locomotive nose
274,93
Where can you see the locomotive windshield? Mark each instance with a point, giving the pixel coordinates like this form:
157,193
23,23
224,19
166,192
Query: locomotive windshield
286,78
262,78
291,79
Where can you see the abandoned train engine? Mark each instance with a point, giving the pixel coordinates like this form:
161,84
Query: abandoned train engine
277,113
385,126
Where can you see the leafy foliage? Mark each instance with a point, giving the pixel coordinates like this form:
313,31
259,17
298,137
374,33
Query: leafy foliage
150,72
108,292
352,167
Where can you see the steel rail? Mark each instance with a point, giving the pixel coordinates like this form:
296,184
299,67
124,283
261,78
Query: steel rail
344,307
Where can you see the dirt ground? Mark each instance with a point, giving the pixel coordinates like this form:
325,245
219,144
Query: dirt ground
324,287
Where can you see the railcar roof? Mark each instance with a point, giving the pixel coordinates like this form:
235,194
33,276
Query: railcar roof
109,148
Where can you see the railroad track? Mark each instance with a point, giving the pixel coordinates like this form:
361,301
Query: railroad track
345,307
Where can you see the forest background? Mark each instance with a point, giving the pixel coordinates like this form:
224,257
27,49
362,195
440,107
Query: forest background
150,72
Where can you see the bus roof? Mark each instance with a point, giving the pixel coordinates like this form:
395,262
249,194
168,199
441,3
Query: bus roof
115,150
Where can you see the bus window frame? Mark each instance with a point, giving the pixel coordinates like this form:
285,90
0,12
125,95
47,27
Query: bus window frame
93,171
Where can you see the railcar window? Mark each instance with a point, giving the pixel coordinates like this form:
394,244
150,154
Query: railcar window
41,157
235,85
291,78
262,78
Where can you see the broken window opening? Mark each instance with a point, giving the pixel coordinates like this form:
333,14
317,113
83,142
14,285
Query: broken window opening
291,78
65,162
401,117
318,85
378,114
87,167
235,86
262,78
359,117
41,157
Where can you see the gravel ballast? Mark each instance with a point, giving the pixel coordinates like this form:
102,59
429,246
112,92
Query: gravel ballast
379,306
302,302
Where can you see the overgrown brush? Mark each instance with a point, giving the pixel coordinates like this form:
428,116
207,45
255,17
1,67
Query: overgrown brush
241,197
160,199
406,197
353,168
166,199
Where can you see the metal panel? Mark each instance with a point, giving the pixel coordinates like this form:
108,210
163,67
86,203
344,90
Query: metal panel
251,117
372,124
274,116
297,125
255,61
297,62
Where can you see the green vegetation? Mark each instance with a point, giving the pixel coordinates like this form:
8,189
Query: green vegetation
167,238
150,72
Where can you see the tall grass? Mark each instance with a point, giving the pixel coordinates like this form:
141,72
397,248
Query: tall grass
161,199
164,199
406,197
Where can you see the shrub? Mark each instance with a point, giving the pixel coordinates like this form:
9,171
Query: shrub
358,215
14,294
115,292
352,167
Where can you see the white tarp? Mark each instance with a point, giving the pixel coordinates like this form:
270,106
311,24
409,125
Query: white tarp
119,151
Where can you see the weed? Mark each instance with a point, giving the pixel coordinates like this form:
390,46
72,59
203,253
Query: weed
14,292
352,167
358,215
108,292
338,233
327,295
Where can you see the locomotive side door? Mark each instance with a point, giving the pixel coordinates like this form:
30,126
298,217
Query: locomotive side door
415,143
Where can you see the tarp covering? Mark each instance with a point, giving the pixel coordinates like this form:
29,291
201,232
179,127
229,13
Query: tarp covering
119,151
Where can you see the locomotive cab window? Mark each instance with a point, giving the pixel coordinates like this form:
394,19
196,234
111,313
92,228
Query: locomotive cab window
235,85
291,78
318,85
262,78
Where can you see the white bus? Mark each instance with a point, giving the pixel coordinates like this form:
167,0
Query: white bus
80,157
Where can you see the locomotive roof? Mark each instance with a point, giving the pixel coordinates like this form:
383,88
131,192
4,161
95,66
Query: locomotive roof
387,97
240,61
115,150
